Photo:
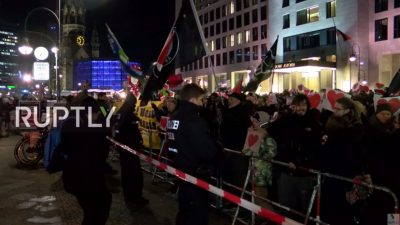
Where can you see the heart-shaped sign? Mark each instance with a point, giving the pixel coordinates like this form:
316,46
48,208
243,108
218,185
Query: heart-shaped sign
315,100
332,96
252,139
394,104
163,123
381,101
379,85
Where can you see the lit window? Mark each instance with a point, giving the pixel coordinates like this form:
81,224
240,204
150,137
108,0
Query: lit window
232,7
247,36
331,9
308,15
239,38
232,40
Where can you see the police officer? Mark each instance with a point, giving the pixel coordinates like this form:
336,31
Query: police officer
189,136
127,132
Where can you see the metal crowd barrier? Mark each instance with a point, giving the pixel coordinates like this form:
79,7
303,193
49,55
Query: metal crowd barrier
317,190
316,195
266,213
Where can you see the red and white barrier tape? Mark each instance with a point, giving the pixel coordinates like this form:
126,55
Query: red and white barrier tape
268,214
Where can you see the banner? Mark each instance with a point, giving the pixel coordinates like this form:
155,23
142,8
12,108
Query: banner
149,125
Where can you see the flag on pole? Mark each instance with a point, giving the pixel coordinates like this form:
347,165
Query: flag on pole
343,35
175,80
264,70
123,58
183,46
394,87
238,86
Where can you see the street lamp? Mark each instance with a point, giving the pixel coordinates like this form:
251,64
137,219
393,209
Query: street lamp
26,49
27,78
353,57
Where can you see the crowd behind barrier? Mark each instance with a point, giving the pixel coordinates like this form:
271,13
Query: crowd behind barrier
159,156
281,105
229,122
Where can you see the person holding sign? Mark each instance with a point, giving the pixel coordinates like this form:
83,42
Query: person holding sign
261,147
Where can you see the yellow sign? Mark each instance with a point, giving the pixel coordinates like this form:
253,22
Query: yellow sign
149,125
80,40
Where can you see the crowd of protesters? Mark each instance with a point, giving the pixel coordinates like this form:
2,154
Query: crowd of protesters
354,140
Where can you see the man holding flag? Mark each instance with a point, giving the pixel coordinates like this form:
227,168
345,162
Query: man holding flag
184,45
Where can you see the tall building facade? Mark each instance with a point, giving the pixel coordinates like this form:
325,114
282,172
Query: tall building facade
310,50
236,36
384,40
8,56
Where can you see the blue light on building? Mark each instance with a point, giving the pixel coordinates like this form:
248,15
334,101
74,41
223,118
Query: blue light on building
102,74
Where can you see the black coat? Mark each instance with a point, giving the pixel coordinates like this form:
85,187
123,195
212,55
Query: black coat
298,139
344,153
86,149
189,135
127,131
235,122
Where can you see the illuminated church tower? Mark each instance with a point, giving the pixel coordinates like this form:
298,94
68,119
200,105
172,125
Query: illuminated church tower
73,45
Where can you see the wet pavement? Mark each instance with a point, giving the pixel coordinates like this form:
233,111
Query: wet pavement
30,196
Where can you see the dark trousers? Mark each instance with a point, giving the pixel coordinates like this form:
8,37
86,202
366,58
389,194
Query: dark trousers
95,205
193,205
131,176
295,191
335,210
234,171
92,195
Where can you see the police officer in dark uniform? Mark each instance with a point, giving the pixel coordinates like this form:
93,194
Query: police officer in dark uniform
127,132
189,136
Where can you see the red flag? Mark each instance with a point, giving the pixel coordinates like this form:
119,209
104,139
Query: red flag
165,50
175,80
343,35
238,86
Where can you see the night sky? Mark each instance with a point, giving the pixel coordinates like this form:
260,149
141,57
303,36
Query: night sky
141,26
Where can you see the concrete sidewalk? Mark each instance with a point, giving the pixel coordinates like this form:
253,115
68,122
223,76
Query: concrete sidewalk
31,196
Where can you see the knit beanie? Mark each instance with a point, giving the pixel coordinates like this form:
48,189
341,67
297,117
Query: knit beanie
383,107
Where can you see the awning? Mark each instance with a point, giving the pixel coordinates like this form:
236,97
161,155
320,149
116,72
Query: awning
304,66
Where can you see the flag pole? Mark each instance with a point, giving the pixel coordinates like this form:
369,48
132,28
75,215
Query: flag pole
272,70
203,39
340,46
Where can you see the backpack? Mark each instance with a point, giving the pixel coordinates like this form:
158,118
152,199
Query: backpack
54,157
